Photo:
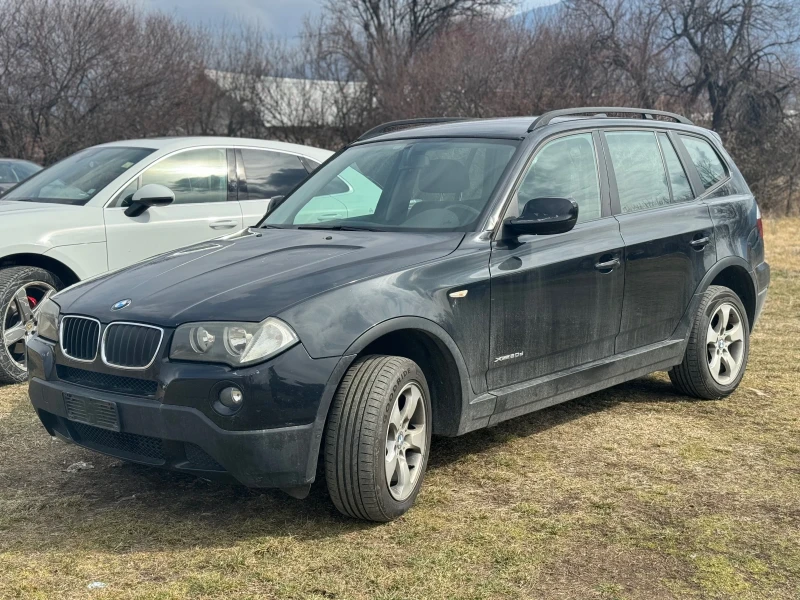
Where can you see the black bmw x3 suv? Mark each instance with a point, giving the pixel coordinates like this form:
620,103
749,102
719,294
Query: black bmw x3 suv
434,277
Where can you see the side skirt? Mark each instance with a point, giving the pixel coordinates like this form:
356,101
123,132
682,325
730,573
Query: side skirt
536,394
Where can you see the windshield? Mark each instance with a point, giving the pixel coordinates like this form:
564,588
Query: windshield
76,179
408,185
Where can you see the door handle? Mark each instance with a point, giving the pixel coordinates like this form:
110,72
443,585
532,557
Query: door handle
222,224
700,242
607,265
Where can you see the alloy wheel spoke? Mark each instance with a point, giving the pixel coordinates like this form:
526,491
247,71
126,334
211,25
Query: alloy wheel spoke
729,363
38,307
416,438
725,315
391,467
403,474
412,398
714,363
13,335
734,334
23,306
396,418
712,335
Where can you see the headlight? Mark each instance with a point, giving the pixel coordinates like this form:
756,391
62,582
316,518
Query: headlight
47,320
236,344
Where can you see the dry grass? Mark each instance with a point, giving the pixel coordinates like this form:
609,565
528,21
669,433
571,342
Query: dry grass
634,492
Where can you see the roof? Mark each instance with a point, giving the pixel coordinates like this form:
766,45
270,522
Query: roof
514,127
179,143
18,160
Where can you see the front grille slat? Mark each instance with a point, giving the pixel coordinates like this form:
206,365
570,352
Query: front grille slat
80,338
105,382
131,346
126,445
200,459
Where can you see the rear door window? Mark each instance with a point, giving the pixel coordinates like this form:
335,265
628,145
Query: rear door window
639,170
271,174
708,163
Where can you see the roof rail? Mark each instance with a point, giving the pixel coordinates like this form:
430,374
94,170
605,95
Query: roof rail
409,123
645,113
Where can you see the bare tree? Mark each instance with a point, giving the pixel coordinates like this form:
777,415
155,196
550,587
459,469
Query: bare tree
731,45
78,72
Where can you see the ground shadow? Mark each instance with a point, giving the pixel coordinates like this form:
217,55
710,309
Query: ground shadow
122,507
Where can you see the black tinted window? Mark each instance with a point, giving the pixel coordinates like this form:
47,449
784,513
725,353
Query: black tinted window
639,170
565,168
708,164
271,174
681,190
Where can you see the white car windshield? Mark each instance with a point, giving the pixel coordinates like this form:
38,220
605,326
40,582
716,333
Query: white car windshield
76,179
407,185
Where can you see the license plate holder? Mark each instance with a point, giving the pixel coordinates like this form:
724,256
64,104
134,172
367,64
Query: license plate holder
92,411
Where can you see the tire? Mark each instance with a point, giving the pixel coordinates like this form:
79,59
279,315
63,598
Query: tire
39,283
705,355
376,394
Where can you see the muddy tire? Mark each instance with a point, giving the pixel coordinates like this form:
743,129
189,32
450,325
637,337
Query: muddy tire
718,349
378,438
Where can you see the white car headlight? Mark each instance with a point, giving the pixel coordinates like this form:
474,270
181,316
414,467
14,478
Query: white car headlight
236,344
47,320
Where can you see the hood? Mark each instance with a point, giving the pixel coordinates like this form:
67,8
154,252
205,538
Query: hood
40,226
250,276
14,207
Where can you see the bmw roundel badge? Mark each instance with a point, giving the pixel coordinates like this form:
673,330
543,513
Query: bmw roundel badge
121,304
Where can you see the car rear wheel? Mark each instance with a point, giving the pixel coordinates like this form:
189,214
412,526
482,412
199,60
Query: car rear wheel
22,291
719,345
378,438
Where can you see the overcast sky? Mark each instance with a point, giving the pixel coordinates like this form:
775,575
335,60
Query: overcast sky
282,18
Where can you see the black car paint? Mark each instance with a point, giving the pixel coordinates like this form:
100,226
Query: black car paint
572,325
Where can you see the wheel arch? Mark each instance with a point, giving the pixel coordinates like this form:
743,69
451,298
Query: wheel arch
735,273
27,259
432,348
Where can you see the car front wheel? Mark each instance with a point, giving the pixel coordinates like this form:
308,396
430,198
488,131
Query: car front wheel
22,291
718,348
378,438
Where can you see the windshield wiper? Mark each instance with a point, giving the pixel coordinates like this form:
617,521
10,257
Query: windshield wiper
270,226
338,228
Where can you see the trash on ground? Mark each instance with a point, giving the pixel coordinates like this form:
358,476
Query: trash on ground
79,466
96,585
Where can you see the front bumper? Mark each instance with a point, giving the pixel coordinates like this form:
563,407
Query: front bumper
176,428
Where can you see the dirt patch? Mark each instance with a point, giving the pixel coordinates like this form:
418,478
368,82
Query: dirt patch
633,492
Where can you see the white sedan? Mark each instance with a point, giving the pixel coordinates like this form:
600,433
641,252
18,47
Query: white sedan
112,205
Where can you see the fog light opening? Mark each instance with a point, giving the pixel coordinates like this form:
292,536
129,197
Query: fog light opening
230,400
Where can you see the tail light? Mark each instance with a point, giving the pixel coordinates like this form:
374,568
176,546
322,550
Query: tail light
759,223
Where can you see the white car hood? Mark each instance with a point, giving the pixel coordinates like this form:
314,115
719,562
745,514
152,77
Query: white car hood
40,226
8,207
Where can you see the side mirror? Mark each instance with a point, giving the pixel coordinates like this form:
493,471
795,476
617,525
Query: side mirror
274,203
545,216
149,195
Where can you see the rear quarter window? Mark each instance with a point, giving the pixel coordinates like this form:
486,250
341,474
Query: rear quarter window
709,165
